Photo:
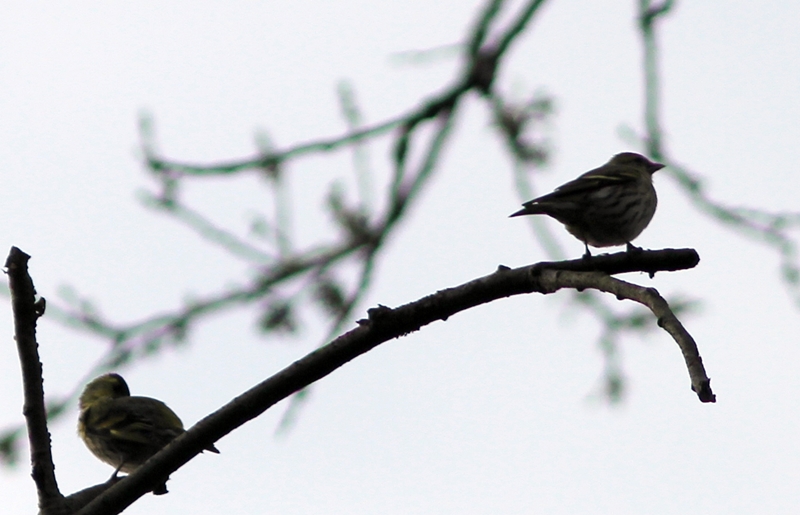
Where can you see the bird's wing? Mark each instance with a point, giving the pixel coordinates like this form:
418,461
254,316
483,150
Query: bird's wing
105,418
606,175
137,419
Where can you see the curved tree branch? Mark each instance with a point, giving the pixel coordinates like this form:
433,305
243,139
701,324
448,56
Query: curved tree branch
649,297
384,324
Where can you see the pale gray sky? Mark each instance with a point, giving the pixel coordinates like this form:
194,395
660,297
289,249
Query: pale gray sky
491,412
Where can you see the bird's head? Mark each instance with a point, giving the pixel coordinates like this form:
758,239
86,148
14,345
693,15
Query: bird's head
637,160
108,386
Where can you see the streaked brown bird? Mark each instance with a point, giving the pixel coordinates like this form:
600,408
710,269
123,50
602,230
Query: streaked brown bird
125,431
610,205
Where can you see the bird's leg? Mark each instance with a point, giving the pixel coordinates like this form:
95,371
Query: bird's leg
632,249
114,475
588,254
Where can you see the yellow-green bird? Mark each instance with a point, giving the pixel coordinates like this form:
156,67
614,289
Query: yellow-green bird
125,431
610,205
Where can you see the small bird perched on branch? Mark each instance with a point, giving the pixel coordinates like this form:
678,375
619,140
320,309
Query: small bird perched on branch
125,431
610,205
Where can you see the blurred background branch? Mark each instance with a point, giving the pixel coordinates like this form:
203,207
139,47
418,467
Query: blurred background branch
288,282
288,279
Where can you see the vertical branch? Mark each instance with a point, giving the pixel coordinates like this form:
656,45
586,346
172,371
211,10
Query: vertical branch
26,312
274,171
352,115
648,14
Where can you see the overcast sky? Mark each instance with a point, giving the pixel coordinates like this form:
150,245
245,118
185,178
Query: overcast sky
494,411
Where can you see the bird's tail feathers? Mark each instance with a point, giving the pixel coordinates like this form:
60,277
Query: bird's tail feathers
533,209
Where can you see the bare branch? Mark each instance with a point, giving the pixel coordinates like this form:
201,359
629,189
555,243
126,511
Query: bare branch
384,324
26,313
701,384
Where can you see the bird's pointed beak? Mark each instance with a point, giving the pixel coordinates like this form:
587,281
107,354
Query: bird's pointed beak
654,167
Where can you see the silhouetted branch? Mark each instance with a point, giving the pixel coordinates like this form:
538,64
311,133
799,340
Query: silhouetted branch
667,320
384,324
27,311
649,261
